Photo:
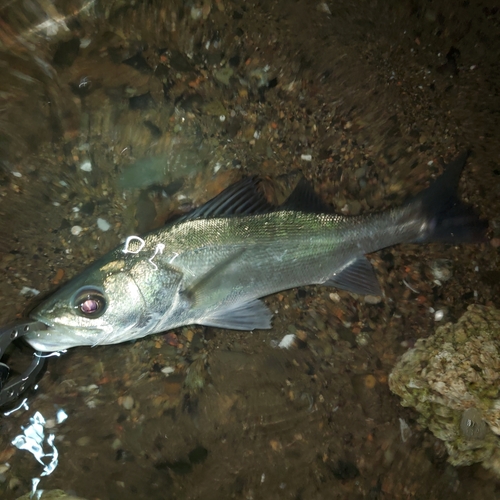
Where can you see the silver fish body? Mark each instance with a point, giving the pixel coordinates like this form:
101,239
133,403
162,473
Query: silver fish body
212,267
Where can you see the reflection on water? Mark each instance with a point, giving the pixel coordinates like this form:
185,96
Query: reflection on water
116,116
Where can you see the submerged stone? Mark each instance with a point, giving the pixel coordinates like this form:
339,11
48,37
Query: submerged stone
451,378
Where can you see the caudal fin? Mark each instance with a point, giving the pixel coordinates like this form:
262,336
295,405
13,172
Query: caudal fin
449,220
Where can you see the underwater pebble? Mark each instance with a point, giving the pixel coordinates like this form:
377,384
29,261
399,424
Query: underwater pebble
373,299
168,370
86,166
76,230
26,290
306,157
128,402
50,423
103,224
14,483
405,430
323,7
224,75
362,339
438,315
17,174
370,381
83,441
116,444
441,269
287,341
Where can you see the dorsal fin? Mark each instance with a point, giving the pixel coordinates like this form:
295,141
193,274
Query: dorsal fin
241,198
304,199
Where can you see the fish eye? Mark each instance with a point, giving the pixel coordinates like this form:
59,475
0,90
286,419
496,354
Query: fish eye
90,302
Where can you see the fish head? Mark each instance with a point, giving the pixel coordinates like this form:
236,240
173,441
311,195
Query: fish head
108,303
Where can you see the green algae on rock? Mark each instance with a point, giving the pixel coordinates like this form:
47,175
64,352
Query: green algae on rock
452,380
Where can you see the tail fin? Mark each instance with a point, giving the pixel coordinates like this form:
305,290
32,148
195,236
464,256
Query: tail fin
448,219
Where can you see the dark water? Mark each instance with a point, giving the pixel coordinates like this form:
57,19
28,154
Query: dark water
122,115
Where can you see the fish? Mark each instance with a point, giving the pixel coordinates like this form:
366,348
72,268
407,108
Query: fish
214,265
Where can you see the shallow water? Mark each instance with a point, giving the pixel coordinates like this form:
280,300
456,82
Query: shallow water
132,114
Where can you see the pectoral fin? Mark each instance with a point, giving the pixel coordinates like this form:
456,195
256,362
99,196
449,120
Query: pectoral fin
358,277
247,316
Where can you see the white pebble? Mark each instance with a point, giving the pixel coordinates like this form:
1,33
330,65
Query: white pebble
222,118
86,166
217,167
128,402
438,315
168,370
17,174
76,230
61,416
404,429
26,290
306,157
287,341
103,225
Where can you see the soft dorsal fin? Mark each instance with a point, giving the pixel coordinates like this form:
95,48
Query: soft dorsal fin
304,199
241,198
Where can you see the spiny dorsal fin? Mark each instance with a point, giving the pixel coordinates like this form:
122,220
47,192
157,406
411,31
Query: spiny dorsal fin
241,198
304,199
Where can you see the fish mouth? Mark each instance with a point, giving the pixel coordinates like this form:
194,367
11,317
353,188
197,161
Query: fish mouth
42,337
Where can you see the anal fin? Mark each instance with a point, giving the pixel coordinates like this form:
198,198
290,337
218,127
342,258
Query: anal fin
358,277
246,316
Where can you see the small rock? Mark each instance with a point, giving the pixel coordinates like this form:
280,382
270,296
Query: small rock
224,75
362,339
83,441
354,207
373,299
128,402
103,224
116,444
441,269
86,166
287,341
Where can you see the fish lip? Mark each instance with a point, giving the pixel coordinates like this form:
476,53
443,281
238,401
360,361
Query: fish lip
41,344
